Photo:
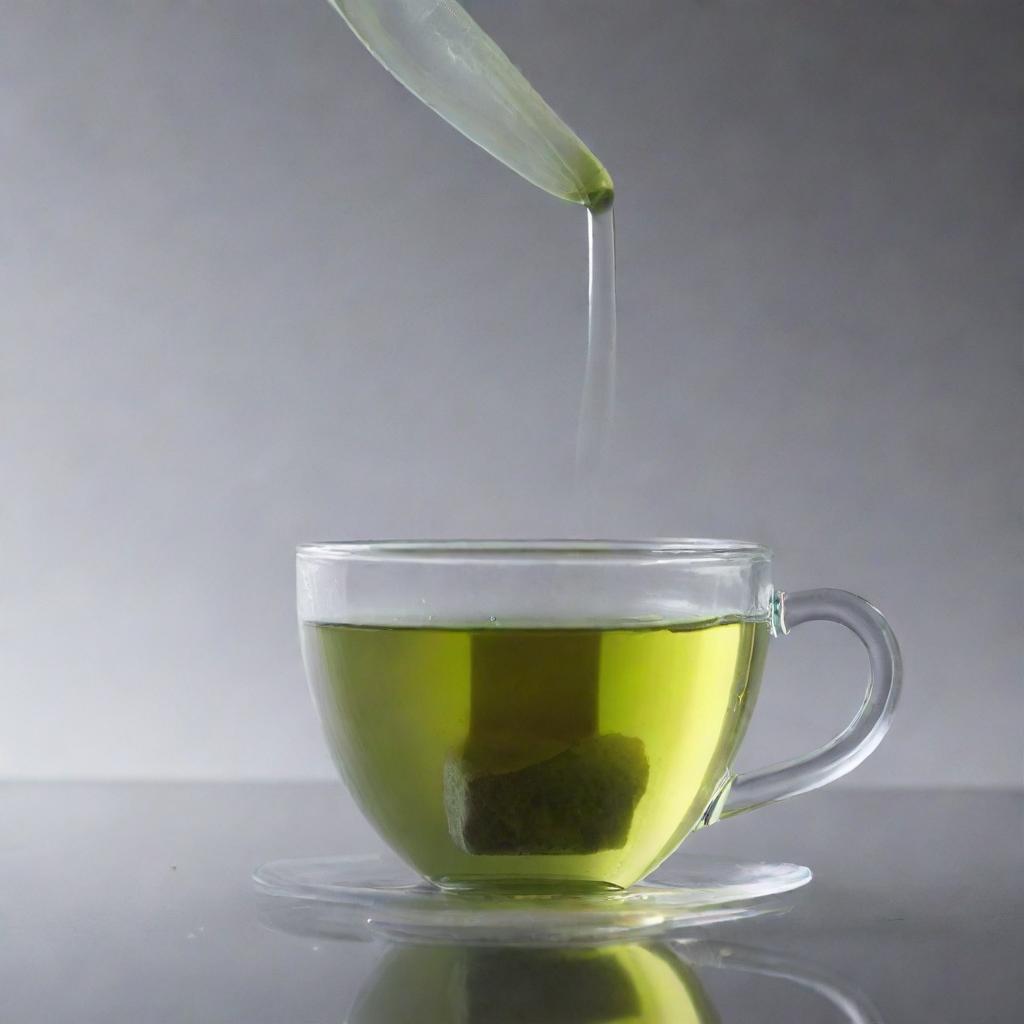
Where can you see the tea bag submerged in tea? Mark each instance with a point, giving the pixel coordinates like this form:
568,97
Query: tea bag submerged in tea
534,776
579,801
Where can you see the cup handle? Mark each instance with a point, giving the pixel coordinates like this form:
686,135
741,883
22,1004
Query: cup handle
853,1004
861,736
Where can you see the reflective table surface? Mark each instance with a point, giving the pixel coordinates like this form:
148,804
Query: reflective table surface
133,902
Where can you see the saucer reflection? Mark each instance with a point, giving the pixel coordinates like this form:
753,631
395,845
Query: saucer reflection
684,981
629,984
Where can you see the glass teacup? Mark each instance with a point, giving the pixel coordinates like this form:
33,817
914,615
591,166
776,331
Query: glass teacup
557,716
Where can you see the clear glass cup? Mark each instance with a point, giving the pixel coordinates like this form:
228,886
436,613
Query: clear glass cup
538,716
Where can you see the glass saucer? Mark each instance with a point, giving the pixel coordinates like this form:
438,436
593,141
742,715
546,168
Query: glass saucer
362,895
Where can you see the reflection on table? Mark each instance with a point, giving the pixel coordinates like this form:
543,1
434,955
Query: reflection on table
623,983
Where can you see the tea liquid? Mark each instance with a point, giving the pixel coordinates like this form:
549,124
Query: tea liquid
537,752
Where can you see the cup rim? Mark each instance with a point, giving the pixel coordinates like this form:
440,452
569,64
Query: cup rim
686,549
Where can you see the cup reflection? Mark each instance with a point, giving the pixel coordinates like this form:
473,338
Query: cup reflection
628,984
680,980
487,985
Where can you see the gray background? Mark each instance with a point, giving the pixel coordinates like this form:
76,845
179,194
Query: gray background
253,293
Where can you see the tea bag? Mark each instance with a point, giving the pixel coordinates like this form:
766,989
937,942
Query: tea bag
534,776
579,801
440,54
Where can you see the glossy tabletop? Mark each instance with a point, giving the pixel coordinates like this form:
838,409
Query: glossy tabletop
133,902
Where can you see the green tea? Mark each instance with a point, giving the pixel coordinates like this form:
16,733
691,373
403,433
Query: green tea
597,401
500,756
